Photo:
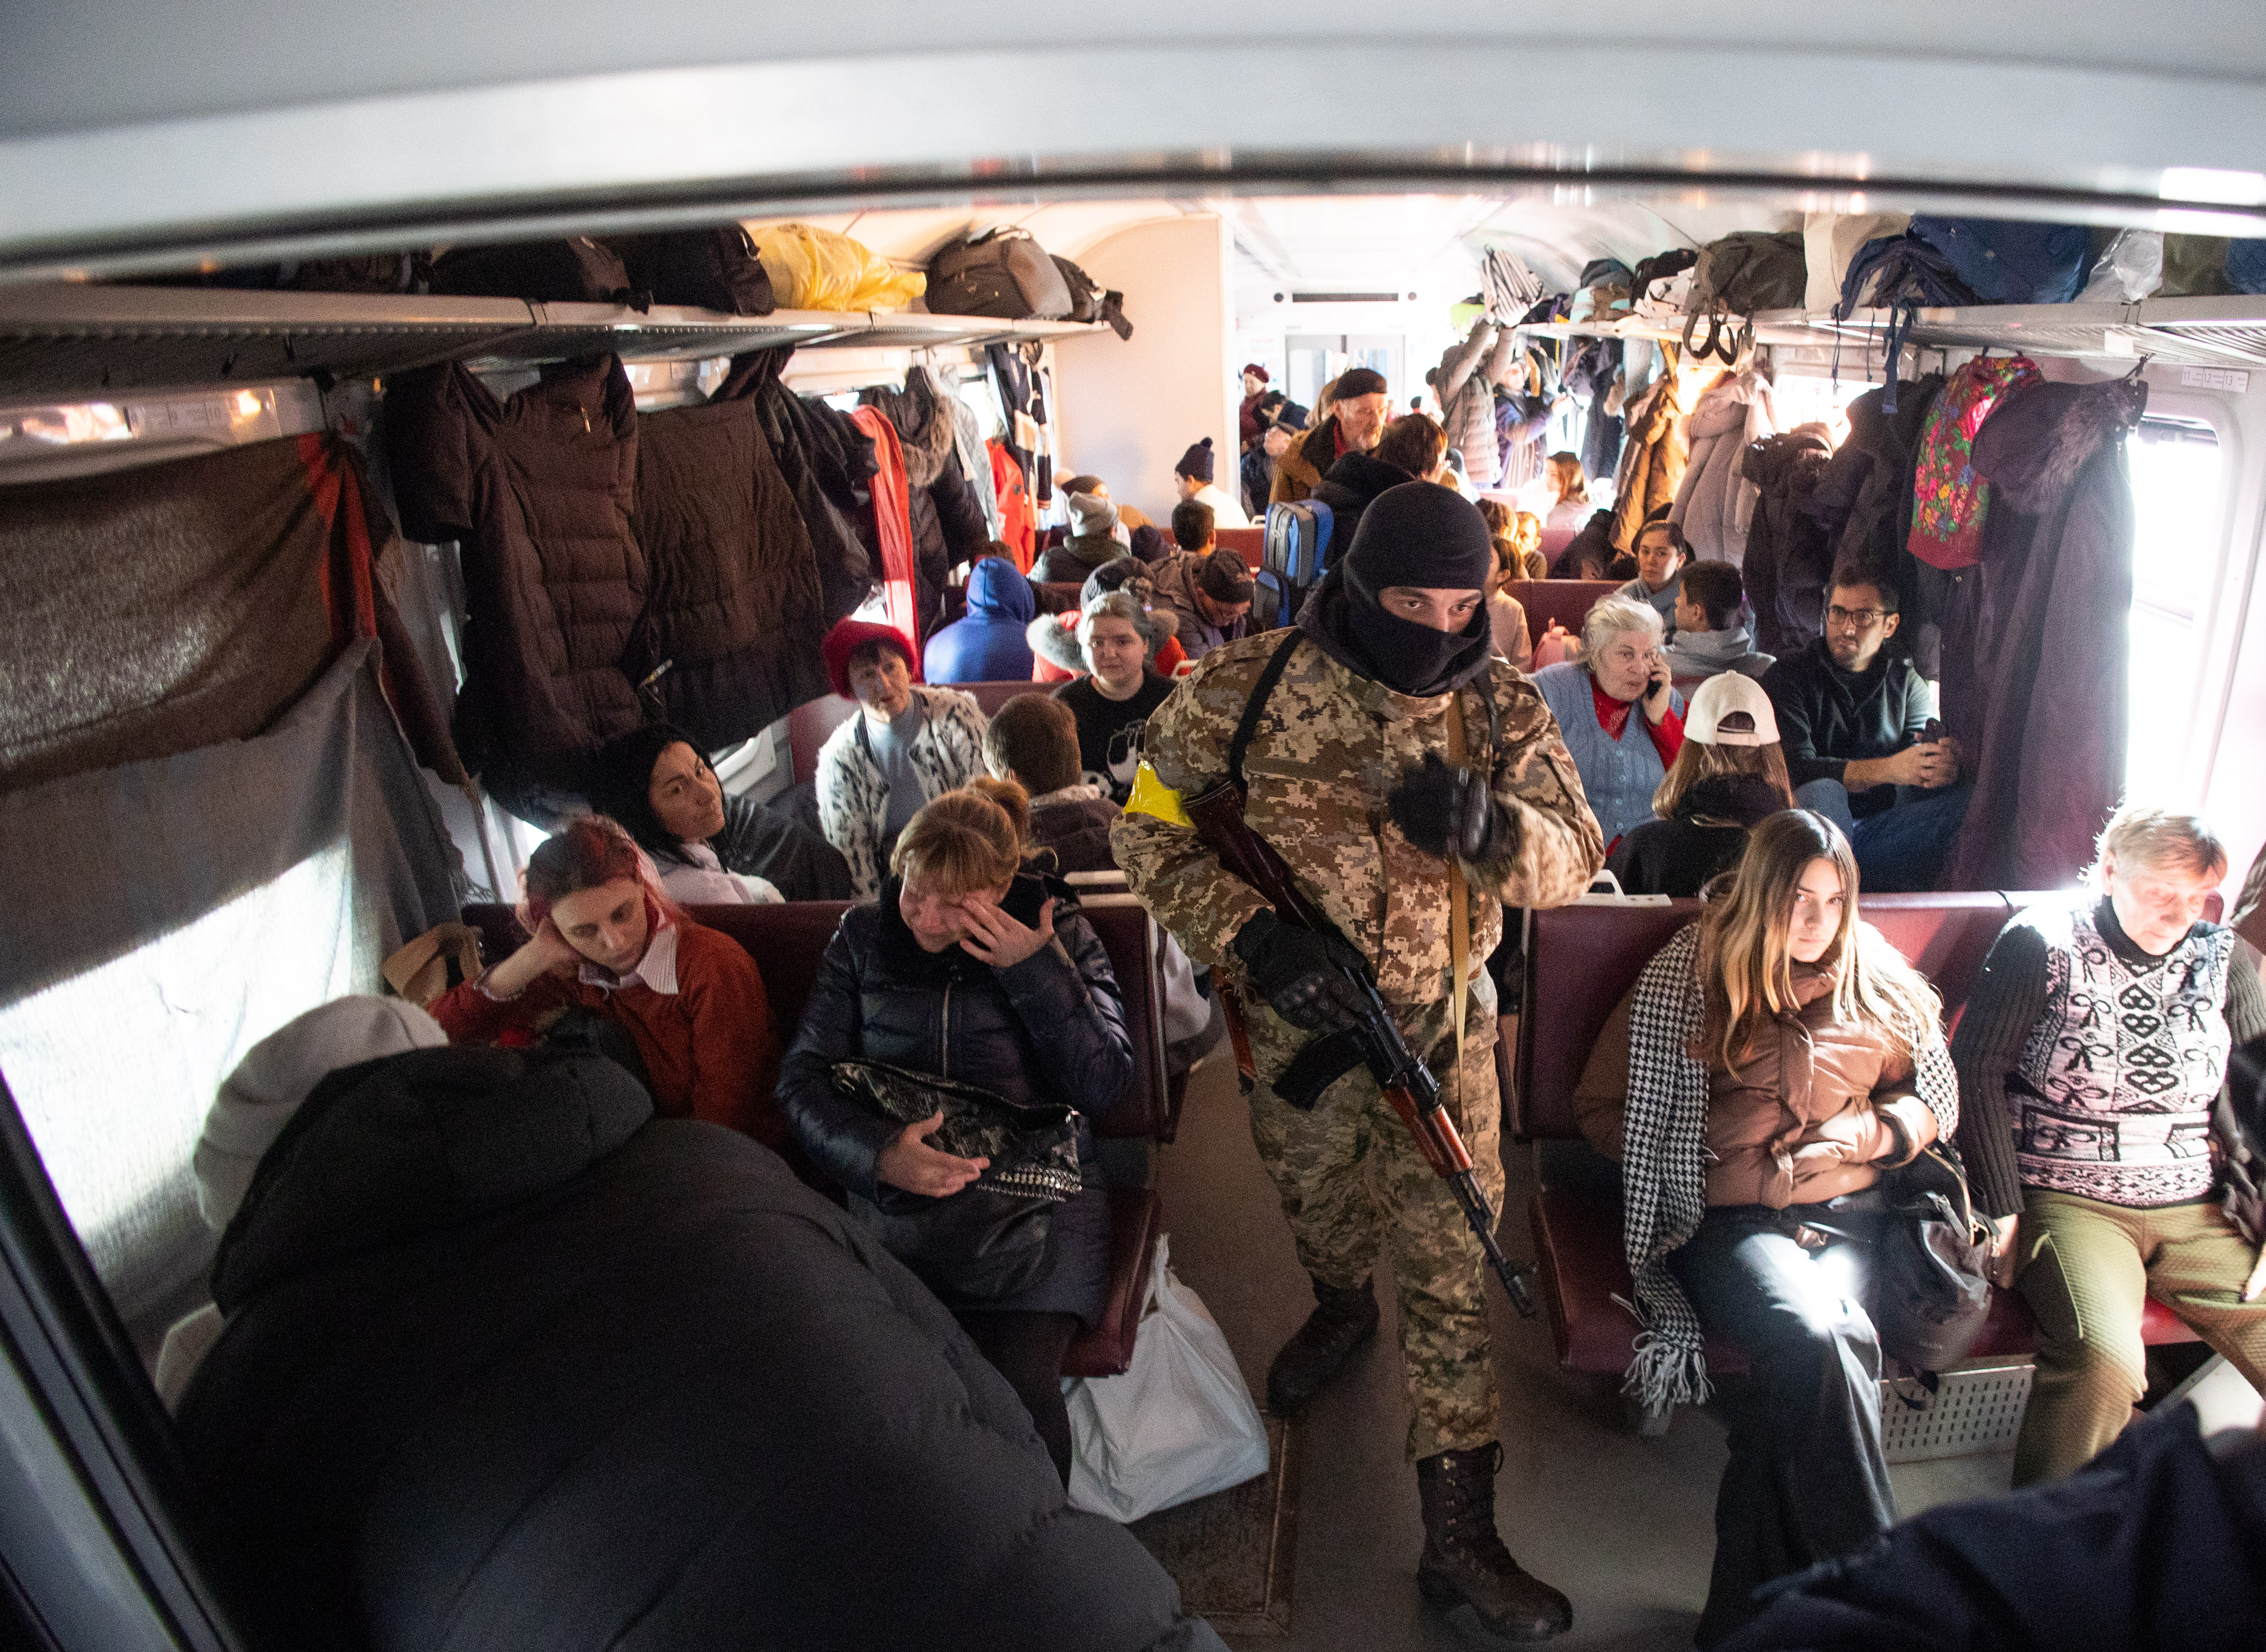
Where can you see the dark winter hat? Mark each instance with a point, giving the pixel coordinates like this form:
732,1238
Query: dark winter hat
848,637
1149,543
1195,464
1257,371
1362,380
1226,577
1420,534
1119,574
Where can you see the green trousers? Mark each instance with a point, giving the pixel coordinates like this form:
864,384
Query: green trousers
1349,1174
2087,1271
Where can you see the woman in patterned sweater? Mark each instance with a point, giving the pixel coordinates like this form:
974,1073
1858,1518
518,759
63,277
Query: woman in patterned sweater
2092,1058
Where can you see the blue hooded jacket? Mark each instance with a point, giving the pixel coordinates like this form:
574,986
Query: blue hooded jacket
987,646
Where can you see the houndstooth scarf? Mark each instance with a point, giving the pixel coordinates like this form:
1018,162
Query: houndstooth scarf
1663,1160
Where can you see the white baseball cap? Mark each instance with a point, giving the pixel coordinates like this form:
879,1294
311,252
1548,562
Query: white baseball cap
1729,709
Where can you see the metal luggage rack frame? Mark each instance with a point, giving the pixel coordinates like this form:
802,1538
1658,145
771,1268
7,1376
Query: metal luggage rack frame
80,341
2215,331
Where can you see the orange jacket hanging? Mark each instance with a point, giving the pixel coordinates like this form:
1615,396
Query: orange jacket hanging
893,523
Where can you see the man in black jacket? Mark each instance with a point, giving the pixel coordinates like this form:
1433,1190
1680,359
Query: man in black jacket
1852,718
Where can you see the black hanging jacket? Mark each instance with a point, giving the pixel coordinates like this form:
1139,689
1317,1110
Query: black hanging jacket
539,492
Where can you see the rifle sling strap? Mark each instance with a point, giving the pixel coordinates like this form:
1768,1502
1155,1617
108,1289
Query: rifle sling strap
1262,691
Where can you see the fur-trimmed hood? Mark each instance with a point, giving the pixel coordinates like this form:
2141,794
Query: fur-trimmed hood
2039,441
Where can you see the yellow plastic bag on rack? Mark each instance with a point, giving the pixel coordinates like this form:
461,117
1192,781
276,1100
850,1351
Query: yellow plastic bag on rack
820,269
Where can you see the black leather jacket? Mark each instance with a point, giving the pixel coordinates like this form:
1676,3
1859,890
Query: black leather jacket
1052,1028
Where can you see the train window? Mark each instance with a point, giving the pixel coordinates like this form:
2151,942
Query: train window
2177,489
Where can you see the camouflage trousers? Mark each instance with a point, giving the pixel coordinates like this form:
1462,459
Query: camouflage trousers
1350,1174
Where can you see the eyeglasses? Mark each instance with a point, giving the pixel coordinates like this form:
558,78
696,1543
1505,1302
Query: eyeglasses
1854,618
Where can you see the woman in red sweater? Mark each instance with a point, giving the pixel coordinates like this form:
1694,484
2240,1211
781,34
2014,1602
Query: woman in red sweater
607,940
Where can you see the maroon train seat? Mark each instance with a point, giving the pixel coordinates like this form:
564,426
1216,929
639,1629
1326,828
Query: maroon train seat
1581,959
787,941
1566,601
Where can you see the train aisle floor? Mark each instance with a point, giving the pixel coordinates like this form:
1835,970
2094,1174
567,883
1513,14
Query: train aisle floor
1623,1525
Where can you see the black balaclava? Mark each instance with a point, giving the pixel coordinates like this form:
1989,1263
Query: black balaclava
1419,534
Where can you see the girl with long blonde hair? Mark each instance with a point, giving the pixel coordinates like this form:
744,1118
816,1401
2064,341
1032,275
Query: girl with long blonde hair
1781,1057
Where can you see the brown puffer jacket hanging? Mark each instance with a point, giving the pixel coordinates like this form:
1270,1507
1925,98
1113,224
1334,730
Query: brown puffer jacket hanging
735,608
539,492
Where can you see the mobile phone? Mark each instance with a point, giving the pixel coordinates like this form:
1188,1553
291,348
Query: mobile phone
1933,732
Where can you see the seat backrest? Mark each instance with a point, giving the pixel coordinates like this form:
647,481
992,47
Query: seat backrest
1581,959
1566,601
809,725
1250,544
787,941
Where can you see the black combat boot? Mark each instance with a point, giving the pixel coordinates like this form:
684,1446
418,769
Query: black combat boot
1341,1321
1465,1571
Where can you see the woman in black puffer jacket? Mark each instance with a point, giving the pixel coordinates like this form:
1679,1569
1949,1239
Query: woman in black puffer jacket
969,967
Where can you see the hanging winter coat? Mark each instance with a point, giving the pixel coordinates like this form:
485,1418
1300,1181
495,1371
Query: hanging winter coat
944,522
893,531
1654,456
1789,560
1022,389
1864,499
1019,522
1715,501
1591,372
537,492
2042,695
1464,384
826,462
1521,424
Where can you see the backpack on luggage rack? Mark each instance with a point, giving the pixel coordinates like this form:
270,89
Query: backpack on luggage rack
577,271
1003,274
1292,563
1740,274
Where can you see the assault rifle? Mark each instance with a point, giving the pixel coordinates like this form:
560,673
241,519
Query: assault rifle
1373,1039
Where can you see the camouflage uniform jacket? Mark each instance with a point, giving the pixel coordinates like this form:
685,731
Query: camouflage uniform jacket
1327,751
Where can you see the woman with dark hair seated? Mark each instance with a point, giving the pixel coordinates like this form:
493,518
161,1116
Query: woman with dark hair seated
608,942
1781,1056
710,848
969,967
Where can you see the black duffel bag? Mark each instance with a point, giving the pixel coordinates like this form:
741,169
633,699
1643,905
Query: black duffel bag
1002,273
576,271
703,269
988,1240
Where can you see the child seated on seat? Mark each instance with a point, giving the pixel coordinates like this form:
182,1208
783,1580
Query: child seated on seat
608,939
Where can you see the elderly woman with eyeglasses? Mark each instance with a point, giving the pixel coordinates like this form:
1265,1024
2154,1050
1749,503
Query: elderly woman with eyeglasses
1853,717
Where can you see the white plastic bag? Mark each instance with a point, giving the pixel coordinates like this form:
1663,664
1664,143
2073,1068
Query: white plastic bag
1178,1425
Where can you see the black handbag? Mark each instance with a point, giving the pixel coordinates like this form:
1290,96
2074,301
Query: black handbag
988,1240
1929,1288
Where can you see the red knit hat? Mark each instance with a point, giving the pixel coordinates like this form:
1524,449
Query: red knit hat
850,635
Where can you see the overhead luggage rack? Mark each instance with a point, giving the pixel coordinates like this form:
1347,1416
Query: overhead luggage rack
2217,331
75,339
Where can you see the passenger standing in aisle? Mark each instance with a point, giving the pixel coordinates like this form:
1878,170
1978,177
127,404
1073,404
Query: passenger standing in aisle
1781,1055
1192,479
1388,669
906,743
1358,411
2092,1054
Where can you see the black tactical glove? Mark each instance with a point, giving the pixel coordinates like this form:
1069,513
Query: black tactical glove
1442,809
1290,968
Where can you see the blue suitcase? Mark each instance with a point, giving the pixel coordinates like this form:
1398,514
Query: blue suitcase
1294,558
